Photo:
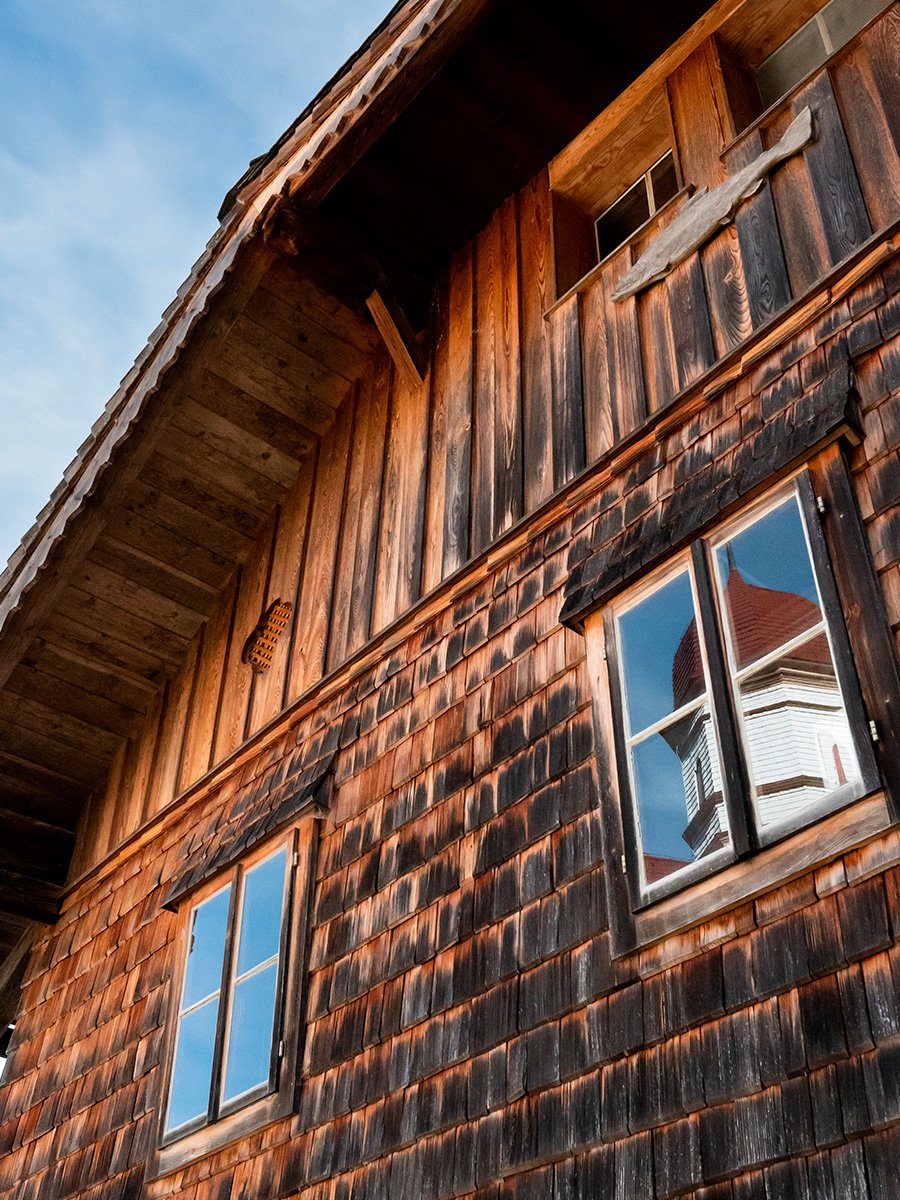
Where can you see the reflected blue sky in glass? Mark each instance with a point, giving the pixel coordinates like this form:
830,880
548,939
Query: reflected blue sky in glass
192,1073
650,635
203,974
261,912
250,1039
661,799
772,553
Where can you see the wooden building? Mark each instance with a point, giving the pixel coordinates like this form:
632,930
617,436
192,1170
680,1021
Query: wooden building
449,711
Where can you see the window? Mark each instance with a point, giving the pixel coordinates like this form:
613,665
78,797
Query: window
233,1053
636,206
808,48
737,717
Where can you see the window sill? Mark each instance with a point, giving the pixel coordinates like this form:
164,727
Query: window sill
190,1147
766,870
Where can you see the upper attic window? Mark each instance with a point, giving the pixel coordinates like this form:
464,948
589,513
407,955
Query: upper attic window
636,206
822,35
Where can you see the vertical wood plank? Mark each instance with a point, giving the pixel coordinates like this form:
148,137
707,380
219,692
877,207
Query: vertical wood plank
835,186
700,116
148,747
655,323
399,578
536,283
317,583
759,238
345,584
692,332
598,418
508,474
164,782
437,451
267,696
378,396
802,236
867,89
623,360
568,392
237,679
726,289
200,732
487,281
459,406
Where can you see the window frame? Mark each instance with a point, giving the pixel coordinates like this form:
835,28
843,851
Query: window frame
226,1121
642,913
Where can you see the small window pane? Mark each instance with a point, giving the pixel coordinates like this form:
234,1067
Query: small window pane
663,180
796,731
250,1035
261,904
766,578
192,1073
620,221
845,18
791,62
661,660
206,949
678,785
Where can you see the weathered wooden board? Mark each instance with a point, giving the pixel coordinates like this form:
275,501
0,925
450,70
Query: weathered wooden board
313,613
567,424
759,238
398,580
599,428
867,90
536,274
237,678
458,499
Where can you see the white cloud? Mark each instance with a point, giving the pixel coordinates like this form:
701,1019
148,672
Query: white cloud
124,126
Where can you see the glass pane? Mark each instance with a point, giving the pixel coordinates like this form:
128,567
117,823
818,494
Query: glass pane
844,18
661,661
250,1035
796,731
189,1094
767,579
678,784
262,901
663,180
203,973
620,221
790,63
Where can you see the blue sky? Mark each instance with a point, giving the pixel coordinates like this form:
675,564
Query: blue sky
124,124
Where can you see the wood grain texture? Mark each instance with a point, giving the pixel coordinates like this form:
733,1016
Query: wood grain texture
458,499
759,238
536,295
313,611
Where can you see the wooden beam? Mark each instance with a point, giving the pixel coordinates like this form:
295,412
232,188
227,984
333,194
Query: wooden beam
22,895
12,970
402,344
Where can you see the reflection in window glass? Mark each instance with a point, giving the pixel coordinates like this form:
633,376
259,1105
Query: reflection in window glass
677,778
822,35
251,1019
206,949
192,1073
796,734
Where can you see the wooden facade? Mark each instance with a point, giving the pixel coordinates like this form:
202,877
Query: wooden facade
444,511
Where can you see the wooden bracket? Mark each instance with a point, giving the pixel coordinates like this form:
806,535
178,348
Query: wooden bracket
394,327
